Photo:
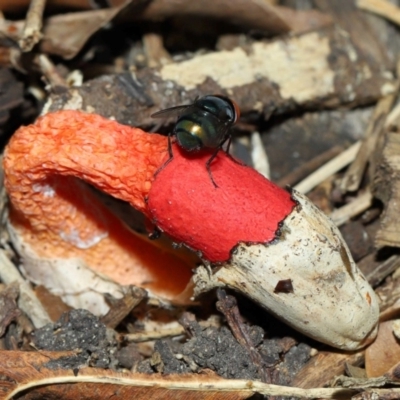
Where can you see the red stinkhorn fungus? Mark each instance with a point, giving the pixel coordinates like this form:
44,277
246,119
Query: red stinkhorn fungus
255,232
245,207
56,217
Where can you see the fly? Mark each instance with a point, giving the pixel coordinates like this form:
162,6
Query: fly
203,124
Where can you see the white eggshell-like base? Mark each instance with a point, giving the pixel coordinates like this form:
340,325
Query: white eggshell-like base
331,300
71,279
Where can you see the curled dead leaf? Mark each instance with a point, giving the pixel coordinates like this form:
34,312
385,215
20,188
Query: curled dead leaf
384,353
24,374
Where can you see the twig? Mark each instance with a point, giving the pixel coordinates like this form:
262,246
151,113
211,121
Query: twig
33,25
381,7
392,312
227,305
259,155
155,51
393,117
350,210
383,270
353,176
327,170
28,302
309,167
211,385
50,72
159,334
153,335
120,308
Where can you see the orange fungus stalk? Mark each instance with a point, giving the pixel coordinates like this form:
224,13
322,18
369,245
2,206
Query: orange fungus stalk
57,216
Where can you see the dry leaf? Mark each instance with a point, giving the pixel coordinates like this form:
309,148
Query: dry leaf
303,20
66,34
26,371
24,374
8,306
322,368
255,14
384,353
52,303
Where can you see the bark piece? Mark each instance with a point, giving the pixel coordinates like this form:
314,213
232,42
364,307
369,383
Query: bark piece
11,93
319,68
386,187
368,36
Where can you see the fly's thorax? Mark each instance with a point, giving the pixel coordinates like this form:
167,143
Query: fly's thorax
219,106
199,129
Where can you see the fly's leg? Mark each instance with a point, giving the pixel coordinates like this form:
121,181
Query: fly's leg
208,165
229,139
228,146
171,155
156,234
170,147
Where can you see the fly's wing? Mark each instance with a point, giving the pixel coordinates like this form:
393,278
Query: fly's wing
170,112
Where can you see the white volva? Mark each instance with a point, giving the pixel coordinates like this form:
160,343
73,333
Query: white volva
330,299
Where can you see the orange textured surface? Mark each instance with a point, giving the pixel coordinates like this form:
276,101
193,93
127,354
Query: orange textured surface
59,217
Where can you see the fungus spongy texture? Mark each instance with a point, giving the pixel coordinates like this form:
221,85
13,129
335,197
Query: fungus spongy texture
244,207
